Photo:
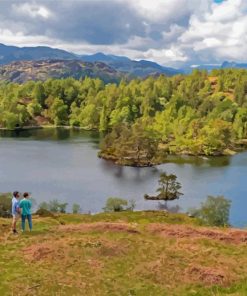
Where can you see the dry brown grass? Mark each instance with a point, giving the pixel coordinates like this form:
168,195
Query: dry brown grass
182,231
121,258
100,226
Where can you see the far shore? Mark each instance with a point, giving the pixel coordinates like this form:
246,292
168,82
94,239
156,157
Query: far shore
240,146
31,127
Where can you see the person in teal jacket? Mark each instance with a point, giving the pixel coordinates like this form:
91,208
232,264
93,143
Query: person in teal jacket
26,205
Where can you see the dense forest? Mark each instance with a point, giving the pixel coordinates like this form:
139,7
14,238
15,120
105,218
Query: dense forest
142,120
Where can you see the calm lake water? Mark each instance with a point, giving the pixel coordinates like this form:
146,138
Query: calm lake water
63,164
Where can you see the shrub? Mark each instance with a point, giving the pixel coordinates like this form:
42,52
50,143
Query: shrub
76,208
5,205
214,211
115,204
44,213
54,206
131,205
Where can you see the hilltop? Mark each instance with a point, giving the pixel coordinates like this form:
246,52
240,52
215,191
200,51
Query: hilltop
22,71
127,253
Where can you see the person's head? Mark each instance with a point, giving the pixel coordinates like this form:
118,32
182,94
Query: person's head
25,195
16,194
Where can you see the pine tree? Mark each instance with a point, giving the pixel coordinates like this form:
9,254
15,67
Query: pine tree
168,189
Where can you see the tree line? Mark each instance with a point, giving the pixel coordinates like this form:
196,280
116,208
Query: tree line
193,114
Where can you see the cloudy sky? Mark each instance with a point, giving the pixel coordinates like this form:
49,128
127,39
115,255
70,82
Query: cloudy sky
170,32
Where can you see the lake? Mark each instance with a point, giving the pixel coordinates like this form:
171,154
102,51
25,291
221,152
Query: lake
63,164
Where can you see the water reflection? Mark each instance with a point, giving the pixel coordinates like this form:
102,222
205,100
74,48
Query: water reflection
200,160
132,174
54,134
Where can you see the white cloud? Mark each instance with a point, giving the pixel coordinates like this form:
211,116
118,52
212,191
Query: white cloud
166,55
227,11
166,31
167,10
20,39
32,10
220,32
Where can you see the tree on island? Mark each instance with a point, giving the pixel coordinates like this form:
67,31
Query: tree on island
133,145
168,189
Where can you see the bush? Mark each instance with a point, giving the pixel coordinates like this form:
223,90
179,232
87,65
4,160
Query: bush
5,205
131,205
115,204
44,213
76,208
214,211
54,206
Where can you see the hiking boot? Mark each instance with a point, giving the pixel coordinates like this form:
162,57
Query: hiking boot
15,231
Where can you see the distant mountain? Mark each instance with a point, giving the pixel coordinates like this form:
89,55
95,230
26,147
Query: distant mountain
234,65
22,71
133,68
140,68
209,67
104,58
10,54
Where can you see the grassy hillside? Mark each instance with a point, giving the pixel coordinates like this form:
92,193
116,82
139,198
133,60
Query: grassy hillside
139,253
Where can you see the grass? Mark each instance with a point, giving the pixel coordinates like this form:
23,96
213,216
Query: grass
139,253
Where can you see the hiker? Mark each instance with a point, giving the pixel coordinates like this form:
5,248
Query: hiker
15,210
25,205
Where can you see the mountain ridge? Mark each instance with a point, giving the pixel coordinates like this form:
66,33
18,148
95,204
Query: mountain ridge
133,68
120,66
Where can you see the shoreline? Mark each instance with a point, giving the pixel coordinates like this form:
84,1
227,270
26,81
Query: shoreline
33,127
241,146
185,157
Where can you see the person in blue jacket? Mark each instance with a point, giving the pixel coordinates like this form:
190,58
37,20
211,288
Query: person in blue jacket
15,210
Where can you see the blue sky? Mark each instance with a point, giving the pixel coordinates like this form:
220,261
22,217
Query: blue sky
170,32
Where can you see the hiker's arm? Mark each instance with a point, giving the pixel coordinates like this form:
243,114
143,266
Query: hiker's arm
18,207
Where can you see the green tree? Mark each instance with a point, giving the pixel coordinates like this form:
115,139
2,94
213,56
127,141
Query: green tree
131,205
39,93
54,206
76,208
115,204
103,124
5,204
34,108
214,211
44,206
9,119
57,112
133,145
